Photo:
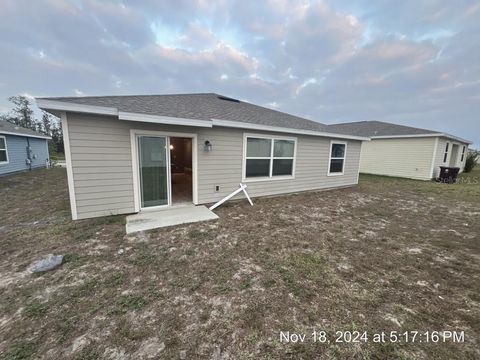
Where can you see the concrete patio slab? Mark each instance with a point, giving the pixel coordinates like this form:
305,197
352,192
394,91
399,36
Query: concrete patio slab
177,215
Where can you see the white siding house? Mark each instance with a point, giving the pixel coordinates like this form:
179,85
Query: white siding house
401,151
410,158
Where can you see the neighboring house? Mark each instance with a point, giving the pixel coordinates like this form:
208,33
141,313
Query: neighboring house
21,149
403,151
126,154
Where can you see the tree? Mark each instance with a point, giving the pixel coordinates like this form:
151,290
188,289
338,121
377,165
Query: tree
471,160
57,139
46,124
22,114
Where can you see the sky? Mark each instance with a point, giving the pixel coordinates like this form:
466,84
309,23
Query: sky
409,62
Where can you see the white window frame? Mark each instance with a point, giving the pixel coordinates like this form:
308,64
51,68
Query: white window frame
448,145
272,139
464,149
5,149
330,158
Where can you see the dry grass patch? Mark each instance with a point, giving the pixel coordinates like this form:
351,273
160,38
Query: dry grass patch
389,254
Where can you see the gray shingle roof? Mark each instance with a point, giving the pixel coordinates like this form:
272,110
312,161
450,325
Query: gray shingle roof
377,128
6,127
197,106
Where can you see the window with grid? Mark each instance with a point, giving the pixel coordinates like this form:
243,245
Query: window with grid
445,155
3,150
337,158
269,157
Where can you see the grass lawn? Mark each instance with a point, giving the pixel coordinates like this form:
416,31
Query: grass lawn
57,157
386,255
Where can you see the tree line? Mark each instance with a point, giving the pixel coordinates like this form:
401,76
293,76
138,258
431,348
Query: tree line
22,115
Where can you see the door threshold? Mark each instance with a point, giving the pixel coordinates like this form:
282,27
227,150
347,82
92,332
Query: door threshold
166,207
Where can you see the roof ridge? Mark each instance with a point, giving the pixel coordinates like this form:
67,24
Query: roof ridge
213,94
407,126
350,122
387,123
18,126
283,112
7,126
130,95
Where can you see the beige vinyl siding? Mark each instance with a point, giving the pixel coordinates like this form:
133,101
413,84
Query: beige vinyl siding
439,156
441,151
223,166
406,157
102,164
461,164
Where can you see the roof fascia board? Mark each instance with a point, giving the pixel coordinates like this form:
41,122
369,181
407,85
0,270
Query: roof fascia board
421,136
405,136
25,135
457,139
159,119
250,126
66,106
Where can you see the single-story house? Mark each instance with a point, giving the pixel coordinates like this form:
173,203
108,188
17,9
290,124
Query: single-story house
126,154
404,151
21,149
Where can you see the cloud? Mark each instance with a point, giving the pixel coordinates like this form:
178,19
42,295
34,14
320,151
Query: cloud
411,62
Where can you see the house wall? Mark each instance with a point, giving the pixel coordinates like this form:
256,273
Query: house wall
17,153
404,157
439,155
102,164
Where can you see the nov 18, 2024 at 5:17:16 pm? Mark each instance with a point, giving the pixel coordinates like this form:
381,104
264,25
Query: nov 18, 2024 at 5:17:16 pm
355,336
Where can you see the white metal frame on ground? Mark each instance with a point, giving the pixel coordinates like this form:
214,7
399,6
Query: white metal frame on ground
134,133
228,197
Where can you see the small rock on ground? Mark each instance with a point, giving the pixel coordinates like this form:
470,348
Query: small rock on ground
50,262
344,267
393,319
79,343
150,349
414,251
422,283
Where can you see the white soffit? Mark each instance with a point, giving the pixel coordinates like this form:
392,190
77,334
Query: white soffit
422,136
244,125
158,119
64,106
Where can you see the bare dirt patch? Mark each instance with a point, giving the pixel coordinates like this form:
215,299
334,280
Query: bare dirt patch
389,254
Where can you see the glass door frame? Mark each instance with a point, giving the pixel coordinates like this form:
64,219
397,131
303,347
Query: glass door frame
168,171
134,135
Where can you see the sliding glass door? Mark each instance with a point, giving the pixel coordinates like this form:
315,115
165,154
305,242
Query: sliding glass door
153,166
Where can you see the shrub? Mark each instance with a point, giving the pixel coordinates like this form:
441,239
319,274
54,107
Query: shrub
470,161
